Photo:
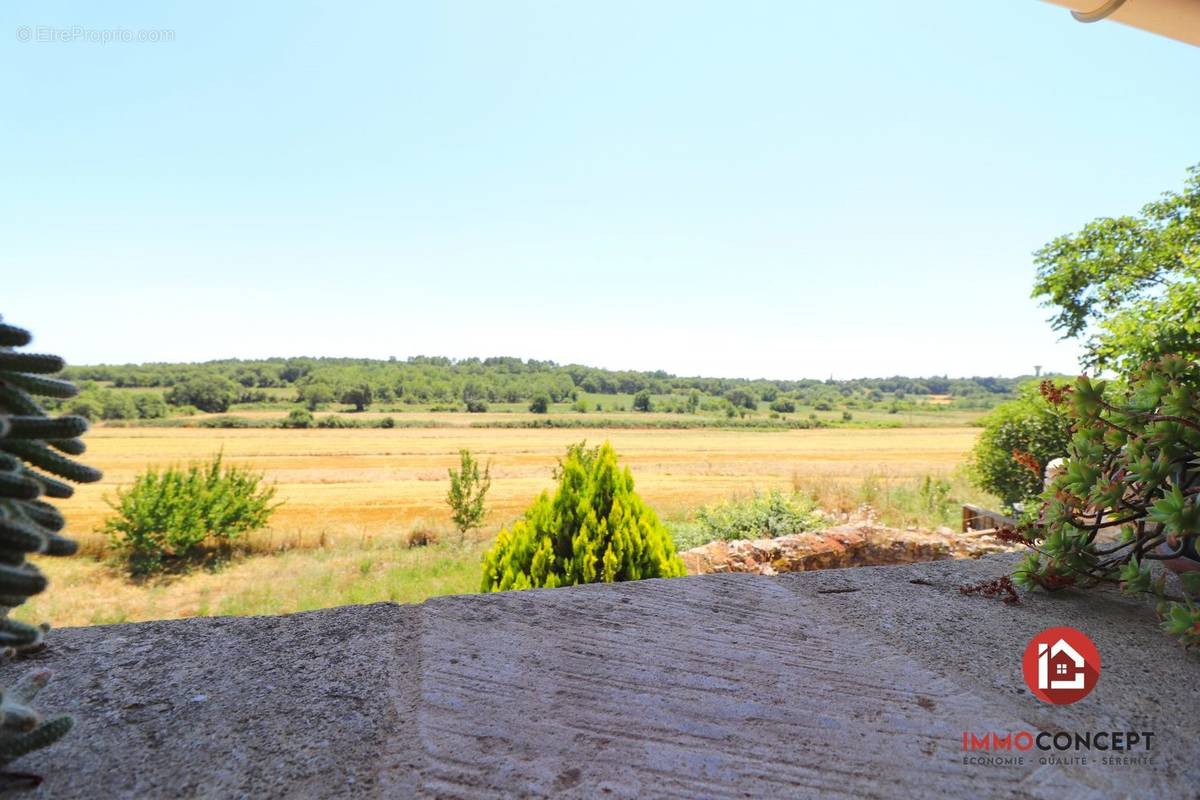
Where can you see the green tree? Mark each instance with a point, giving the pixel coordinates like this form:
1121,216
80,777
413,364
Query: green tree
208,392
359,395
1131,285
468,490
150,405
693,401
742,399
315,395
540,404
1019,438
642,401
595,528
117,405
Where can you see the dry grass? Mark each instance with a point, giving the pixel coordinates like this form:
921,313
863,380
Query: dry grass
372,485
85,591
353,499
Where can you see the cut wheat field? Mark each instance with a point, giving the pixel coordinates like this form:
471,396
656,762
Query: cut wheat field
355,484
351,497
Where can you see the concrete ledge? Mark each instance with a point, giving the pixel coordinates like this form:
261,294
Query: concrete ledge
838,683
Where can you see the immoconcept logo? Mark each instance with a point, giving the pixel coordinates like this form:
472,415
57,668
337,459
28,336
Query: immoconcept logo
1011,748
1060,665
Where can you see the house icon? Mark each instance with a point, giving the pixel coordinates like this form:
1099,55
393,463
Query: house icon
1059,666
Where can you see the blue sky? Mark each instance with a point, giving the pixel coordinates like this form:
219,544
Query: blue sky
781,189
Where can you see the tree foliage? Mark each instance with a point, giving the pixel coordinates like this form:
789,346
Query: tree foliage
1129,493
207,392
1130,284
358,395
1019,439
468,490
428,380
594,528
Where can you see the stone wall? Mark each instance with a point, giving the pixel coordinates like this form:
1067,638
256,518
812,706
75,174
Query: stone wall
860,544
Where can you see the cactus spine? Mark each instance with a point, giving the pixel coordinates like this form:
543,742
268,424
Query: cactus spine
34,450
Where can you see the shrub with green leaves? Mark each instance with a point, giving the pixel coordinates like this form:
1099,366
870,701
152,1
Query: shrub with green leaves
210,393
1129,492
1012,433
764,515
34,450
468,491
594,528
298,418
180,515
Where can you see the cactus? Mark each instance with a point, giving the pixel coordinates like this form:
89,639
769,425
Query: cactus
34,450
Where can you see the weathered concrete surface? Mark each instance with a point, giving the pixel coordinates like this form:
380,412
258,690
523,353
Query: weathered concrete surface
842,683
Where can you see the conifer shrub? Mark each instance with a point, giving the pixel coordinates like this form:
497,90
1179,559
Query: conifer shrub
595,528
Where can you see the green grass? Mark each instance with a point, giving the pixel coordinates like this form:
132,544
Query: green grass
931,501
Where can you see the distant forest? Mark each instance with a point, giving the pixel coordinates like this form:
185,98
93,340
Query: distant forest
473,383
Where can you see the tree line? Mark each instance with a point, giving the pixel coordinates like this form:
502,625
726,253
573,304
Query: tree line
215,385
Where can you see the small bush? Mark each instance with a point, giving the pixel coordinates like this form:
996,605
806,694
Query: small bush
642,401
387,422
226,421
595,528
764,515
178,515
476,406
468,490
540,404
421,536
298,418
1029,427
783,405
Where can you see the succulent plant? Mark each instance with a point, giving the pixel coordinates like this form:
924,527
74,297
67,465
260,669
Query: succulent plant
34,458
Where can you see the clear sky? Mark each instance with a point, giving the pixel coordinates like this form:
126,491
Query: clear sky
780,189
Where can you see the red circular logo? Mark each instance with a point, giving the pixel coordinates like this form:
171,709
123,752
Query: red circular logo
1061,665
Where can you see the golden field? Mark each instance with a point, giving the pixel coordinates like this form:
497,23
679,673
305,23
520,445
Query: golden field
369,483
350,497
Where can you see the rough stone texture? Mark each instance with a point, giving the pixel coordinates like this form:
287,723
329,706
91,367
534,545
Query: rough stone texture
839,683
853,545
